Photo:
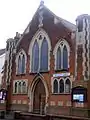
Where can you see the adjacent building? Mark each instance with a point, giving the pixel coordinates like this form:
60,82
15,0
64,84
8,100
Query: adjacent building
2,60
47,68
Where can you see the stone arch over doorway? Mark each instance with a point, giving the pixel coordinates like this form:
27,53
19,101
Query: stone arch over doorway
38,81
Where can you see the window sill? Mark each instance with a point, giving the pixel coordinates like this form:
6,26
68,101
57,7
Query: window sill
64,70
22,74
19,93
39,72
61,93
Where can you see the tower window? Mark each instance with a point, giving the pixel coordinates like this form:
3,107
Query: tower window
80,25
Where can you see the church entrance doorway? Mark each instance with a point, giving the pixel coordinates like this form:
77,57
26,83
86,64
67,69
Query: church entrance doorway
39,97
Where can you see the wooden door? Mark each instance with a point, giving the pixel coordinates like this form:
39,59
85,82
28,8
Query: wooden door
39,97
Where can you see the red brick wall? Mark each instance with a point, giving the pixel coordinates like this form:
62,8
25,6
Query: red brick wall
55,32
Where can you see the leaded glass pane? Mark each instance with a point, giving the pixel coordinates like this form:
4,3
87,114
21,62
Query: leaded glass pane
65,58
35,57
23,64
19,65
58,62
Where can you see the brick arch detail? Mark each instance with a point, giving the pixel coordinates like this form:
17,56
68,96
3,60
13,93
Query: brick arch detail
32,88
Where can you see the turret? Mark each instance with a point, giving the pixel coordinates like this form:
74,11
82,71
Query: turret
82,46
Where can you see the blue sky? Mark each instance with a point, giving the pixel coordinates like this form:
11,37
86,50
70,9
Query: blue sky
16,14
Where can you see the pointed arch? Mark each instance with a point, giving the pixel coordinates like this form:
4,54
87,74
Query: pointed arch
65,53
58,62
32,87
35,57
40,35
24,87
61,86
67,86
65,57
44,56
55,86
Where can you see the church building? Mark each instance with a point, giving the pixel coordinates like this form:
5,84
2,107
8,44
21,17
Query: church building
47,68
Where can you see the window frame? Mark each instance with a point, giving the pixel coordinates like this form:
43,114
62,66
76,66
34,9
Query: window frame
40,32
21,53
20,81
64,81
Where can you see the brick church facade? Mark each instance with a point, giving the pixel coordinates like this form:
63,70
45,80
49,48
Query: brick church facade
47,68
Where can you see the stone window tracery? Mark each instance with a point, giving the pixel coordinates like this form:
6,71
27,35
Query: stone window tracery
61,54
21,59
61,86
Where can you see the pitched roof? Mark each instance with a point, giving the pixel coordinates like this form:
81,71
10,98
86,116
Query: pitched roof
2,51
66,23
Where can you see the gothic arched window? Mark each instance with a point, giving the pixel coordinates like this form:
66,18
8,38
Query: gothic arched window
55,86
44,56
65,58
21,59
61,86
61,54
58,63
39,50
67,86
35,57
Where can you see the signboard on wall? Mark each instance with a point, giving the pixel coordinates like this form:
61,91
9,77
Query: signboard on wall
61,74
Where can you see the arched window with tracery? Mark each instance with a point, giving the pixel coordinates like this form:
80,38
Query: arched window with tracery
39,51
67,86
55,86
61,86
35,57
61,53
44,56
21,59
